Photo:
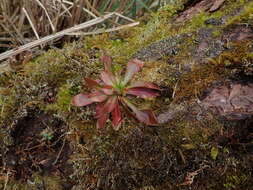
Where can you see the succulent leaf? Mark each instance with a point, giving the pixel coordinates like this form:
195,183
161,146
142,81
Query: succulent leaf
97,96
116,116
107,78
108,90
142,92
102,120
110,94
152,120
133,67
91,83
144,116
81,100
107,60
144,84
107,107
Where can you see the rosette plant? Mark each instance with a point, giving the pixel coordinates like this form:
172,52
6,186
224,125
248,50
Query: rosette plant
112,91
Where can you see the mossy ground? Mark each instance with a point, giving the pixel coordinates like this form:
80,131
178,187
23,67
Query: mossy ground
137,156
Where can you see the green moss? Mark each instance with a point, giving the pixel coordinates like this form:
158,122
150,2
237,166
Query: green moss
194,82
138,37
191,134
196,22
157,29
157,72
59,68
63,99
182,141
7,104
57,72
245,16
250,55
227,64
216,33
235,179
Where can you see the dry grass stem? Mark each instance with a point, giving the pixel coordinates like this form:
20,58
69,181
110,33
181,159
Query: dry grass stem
62,33
99,31
31,23
42,6
84,9
50,20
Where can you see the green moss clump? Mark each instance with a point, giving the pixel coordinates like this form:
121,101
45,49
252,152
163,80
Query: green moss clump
7,104
216,33
57,72
193,83
63,100
234,180
245,16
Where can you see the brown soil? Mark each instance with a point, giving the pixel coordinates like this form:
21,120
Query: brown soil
39,146
238,136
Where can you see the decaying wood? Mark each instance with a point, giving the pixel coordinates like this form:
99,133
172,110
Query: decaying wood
205,5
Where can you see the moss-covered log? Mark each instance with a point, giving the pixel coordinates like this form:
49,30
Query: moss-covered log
190,48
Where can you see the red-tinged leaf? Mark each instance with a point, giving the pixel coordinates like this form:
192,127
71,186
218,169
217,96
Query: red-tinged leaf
107,107
91,83
116,116
142,92
98,109
81,100
151,116
102,120
97,96
144,84
133,67
144,116
107,60
107,78
108,90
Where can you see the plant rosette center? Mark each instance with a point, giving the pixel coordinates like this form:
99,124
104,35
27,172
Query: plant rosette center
111,92
119,88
